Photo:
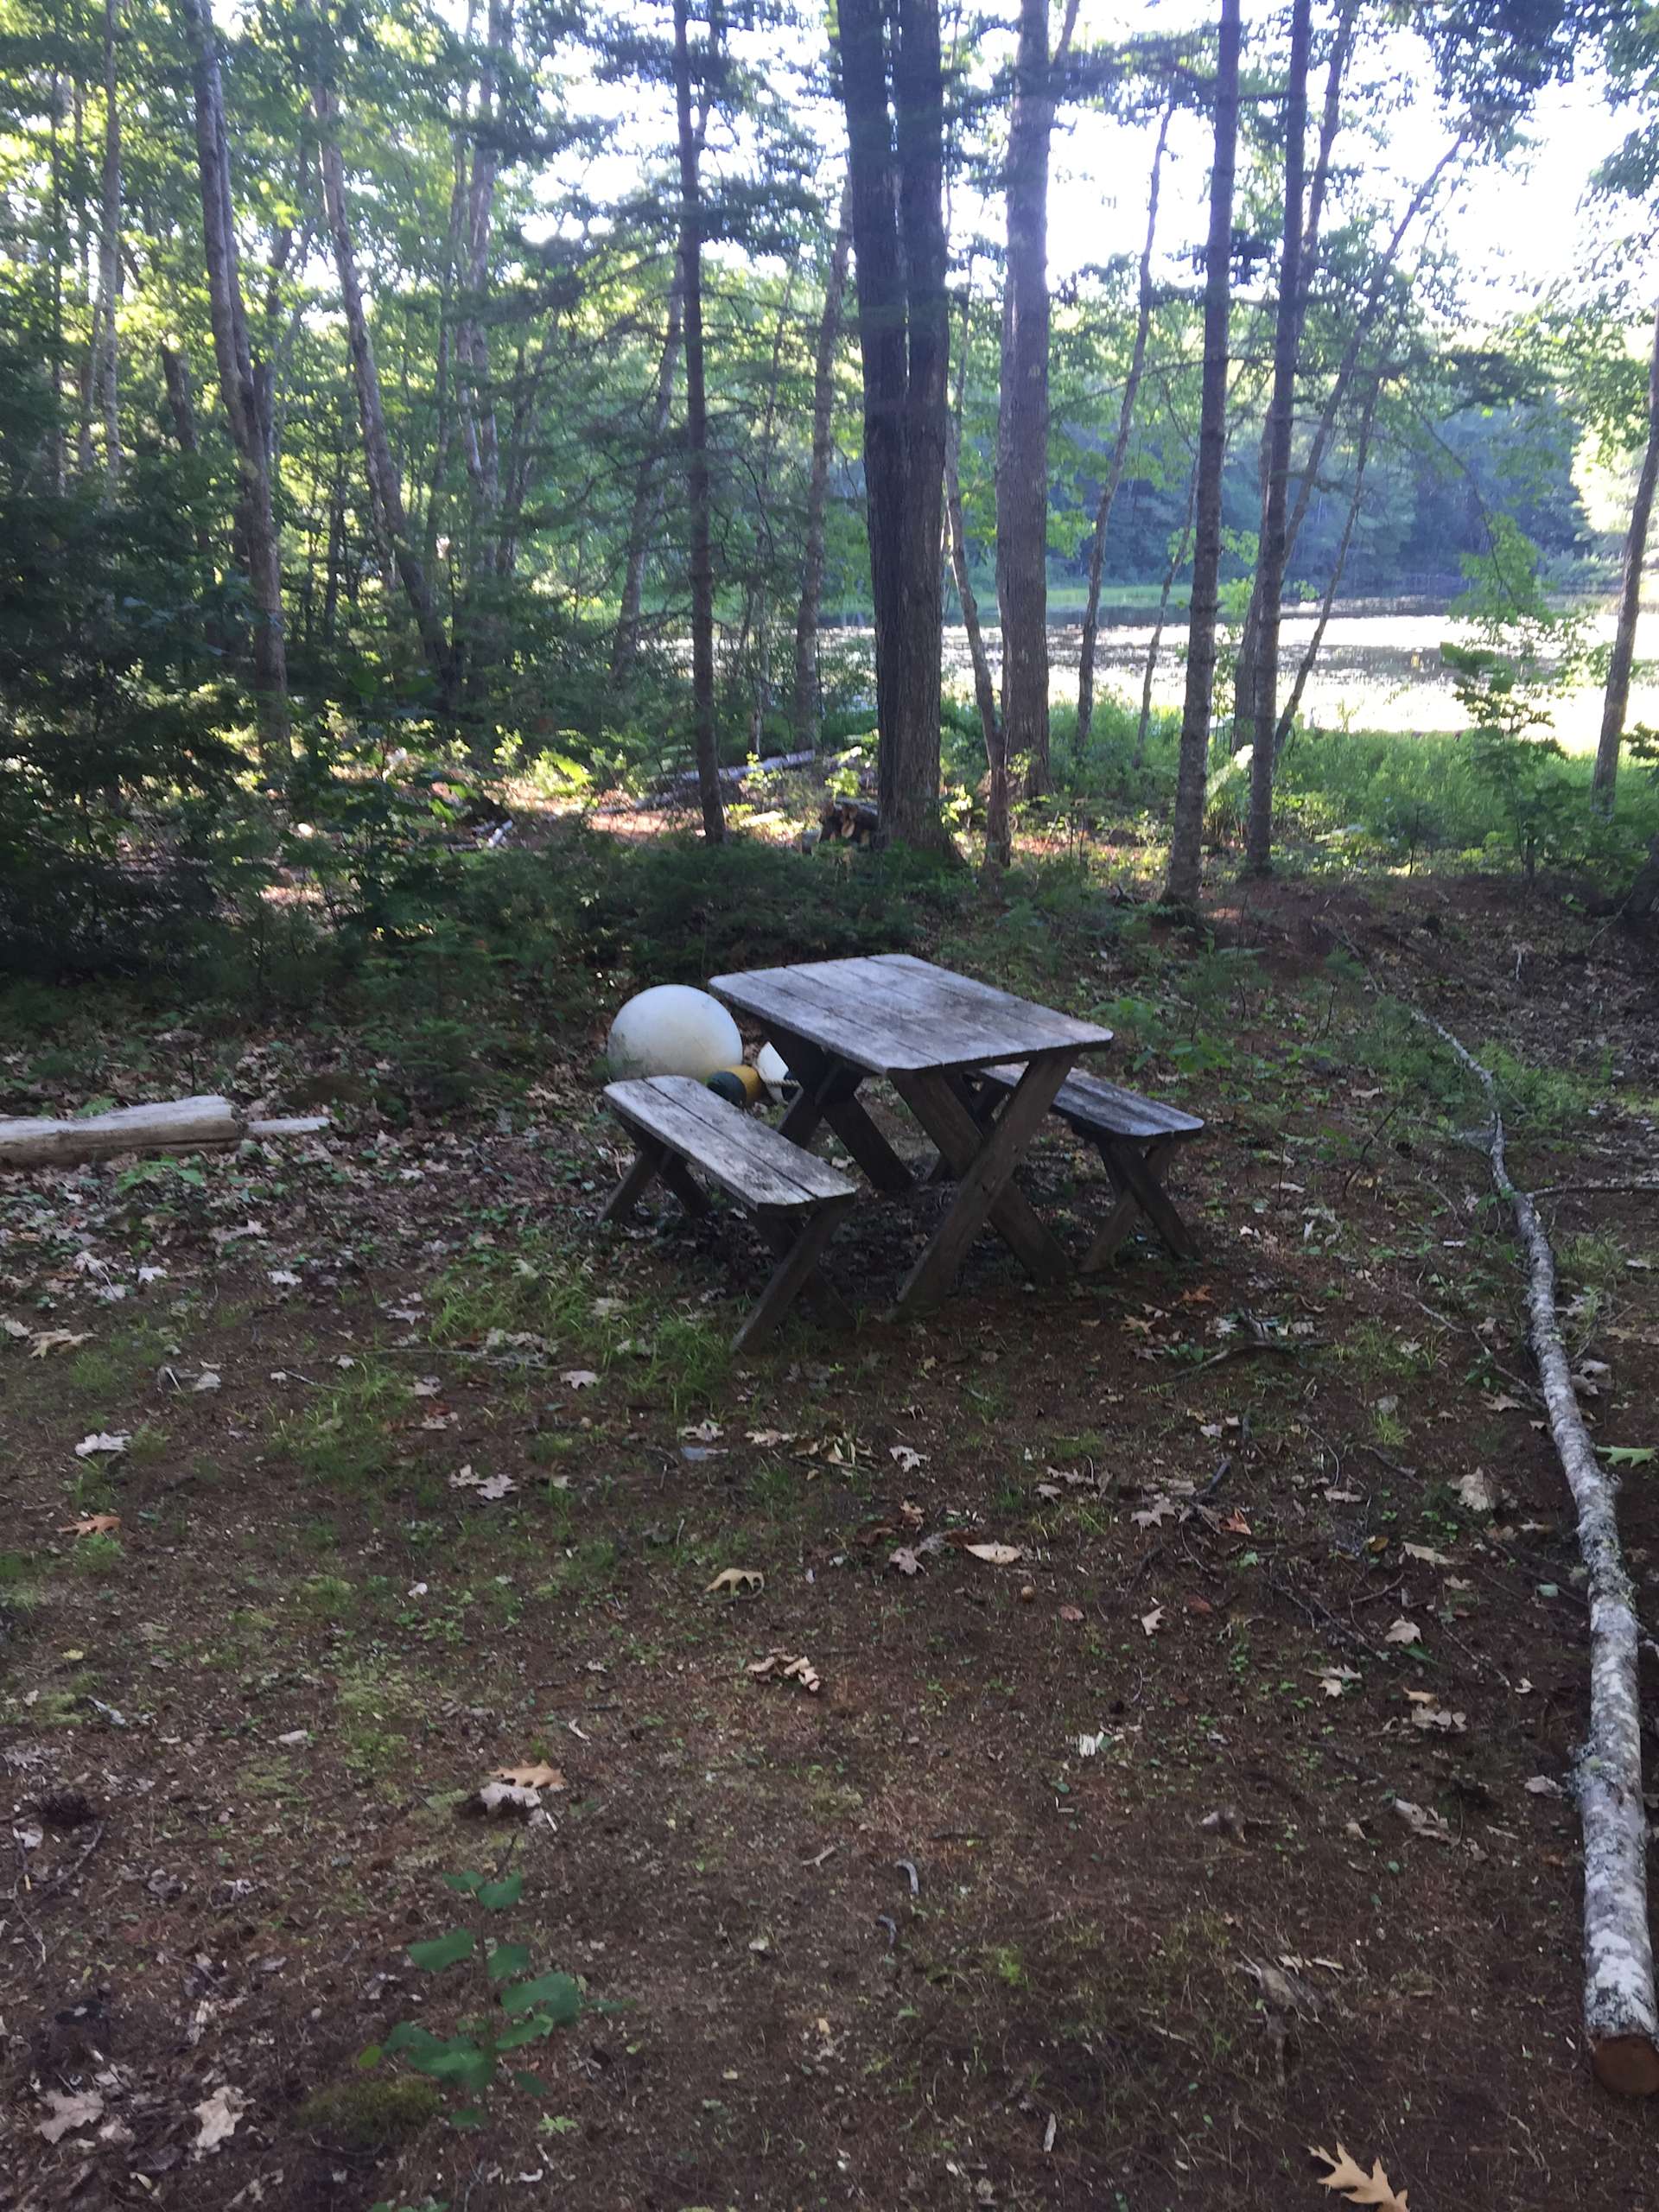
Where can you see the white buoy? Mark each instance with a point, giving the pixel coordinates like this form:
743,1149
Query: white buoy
672,1030
774,1071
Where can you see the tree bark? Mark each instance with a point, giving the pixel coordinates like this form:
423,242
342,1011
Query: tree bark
1270,566
1304,669
1617,697
1178,553
238,386
1022,408
696,448
895,166
1119,449
998,842
1187,834
1621,2017
805,706
625,644
386,485
106,344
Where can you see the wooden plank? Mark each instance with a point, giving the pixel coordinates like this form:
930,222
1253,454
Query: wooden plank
985,1165
1092,1104
829,1093
892,1013
747,1158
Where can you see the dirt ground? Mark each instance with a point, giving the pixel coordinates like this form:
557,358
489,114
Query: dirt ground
1231,1817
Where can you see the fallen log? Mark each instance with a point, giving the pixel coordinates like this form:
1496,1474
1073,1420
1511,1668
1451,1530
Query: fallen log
1621,2017
204,1124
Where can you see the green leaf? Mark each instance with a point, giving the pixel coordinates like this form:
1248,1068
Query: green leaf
443,1950
469,2117
508,1958
461,2061
531,2084
496,1897
409,2035
1629,1455
371,2056
557,1994
468,1885
528,2030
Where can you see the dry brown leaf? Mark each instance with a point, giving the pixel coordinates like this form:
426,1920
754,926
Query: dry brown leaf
1404,1631
1427,1554
1356,2184
1070,1612
536,1777
788,1667
994,1555
1150,1517
904,1560
51,1340
94,1525
738,1582
1151,1622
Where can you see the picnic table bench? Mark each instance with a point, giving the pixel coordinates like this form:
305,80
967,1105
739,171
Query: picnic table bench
795,1198
1135,1138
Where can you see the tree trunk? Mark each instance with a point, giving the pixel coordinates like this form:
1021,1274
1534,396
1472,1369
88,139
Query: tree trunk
804,706
1178,553
625,644
238,386
1270,567
998,842
895,166
1630,601
385,486
106,347
1120,450
474,395
1621,2017
1288,717
696,448
1022,408
1187,832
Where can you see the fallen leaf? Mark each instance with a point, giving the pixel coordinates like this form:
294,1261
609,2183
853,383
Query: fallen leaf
79,2111
219,2115
51,1340
1235,1524
1343,1497
1356,2184
538,1776
489,1486
904,1560
1070,1612
782,1666
766,1438
1544,1785
702,1432
95,1524
1404,1631
1427,1553
1422,1823
1437,1716
426,1386
994,1555
207,1380
1334,1680
1500,1402
583,1378
1151,1622
1194,1603
1152,1516
1476,1491
103,1441
738,1582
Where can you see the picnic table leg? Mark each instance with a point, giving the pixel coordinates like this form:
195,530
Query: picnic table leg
792,1271
647,1160
1135,1177
779,1232
829,1089
984,1165
676,1174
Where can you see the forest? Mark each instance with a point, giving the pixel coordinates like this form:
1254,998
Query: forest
1129,521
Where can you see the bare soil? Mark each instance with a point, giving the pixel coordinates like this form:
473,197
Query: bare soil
1083,1881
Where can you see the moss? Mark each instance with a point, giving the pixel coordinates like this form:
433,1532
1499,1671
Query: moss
370,2116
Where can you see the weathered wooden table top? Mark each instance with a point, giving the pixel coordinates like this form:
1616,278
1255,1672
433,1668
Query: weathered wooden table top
892,1013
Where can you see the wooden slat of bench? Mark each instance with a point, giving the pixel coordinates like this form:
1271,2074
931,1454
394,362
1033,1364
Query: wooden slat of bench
1096,1106
747,1158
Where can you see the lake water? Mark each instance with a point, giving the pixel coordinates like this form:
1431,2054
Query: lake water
1378,669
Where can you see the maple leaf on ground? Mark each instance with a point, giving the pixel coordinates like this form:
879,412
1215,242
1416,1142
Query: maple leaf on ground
906,1561
538,1776
737,1582
94,1525
1356,2184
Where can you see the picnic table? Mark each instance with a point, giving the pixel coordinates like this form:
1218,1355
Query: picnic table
926,1030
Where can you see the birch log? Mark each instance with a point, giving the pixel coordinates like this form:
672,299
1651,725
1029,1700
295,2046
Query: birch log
1621,2019
204,1124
